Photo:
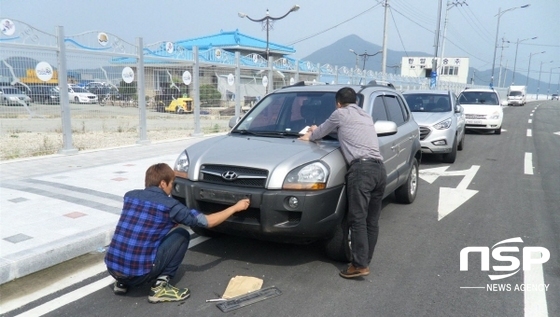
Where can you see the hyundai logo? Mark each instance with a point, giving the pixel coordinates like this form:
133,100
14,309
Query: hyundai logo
229,175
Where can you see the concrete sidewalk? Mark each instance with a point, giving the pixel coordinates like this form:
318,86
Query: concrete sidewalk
55,208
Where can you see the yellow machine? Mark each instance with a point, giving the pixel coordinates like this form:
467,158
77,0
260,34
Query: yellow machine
180,105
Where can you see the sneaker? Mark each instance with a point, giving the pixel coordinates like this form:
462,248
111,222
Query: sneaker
119,288
162,291
353,272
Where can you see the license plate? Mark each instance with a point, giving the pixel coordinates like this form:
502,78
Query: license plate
474,121
220,196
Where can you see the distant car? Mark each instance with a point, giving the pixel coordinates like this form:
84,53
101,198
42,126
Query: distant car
44,94
441,121
483,109
11,96
80,95
554,97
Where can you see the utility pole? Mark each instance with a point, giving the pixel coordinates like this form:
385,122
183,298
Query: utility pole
501,55
385,27
433,75
449,6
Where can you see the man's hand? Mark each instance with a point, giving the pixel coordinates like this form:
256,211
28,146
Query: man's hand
307,135
241,205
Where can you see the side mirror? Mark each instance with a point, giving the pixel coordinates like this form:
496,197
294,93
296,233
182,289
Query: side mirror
233,121
504,103
384,128
458,109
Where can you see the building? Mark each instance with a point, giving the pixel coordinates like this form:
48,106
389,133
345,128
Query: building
450,69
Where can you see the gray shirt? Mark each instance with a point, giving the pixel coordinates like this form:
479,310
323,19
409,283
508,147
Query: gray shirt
356,133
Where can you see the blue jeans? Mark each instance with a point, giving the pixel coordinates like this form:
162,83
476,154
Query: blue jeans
365,185
169,256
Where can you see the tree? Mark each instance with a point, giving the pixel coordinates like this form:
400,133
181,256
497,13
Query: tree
209,94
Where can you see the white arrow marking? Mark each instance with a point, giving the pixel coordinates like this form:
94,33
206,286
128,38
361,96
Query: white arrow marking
431,174
451,198
557,133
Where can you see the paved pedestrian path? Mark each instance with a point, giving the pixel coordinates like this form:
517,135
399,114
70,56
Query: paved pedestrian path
58,207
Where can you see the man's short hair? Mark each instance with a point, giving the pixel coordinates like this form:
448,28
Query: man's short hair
157,173
345,96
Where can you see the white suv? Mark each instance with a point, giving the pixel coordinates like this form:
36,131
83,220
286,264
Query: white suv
483,109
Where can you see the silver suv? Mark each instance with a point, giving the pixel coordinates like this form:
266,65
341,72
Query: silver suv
441,121
297,188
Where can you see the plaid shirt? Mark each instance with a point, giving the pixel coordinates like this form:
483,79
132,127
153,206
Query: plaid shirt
147,216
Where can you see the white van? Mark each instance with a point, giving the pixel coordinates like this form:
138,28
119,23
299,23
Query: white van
517,95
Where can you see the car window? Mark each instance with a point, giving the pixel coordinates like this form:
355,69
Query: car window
379,112
423,102
479,97
394,109
11,91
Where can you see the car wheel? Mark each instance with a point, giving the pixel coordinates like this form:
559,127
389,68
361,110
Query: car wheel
461,145
407,192
160,107
338,247
76,100
204,232
498,130
451,156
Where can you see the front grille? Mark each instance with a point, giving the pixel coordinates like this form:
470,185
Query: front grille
424,132
249,216
475,116
246,176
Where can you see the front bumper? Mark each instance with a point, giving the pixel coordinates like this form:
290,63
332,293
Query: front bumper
483,124
437,141
269,216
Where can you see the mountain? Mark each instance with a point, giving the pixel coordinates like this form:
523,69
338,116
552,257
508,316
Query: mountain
338,54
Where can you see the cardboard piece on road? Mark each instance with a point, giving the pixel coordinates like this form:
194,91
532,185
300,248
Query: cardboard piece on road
241,285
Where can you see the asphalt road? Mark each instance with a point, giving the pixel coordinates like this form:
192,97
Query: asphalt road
493,192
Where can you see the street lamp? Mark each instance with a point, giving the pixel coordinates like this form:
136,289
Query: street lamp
515,60
549,80
540,71
529,68
364,57
267,23
499,15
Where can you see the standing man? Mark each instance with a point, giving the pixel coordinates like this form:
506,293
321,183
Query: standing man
365,178
148,245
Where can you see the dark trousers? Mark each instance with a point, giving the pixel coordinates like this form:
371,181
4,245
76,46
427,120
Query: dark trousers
365,184
170,254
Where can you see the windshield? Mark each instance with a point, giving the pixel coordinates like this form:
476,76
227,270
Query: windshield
78,89
288,113
428,102
479,97
515,93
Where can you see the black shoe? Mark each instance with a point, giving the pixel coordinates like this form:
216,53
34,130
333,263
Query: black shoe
119,288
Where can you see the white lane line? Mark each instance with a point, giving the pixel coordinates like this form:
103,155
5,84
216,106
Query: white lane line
529,132
54,287
530,120
69,281
528,163
67,298
535,299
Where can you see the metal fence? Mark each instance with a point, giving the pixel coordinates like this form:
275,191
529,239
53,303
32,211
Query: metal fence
138,93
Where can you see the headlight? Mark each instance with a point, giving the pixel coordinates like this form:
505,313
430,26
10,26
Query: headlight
445,124
495,115
308,177
181,167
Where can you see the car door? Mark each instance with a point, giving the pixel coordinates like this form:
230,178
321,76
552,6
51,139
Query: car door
399,113
388,145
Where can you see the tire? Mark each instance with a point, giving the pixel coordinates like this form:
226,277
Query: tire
451,156
498,130
205,232
160,107
338,247
407,192
76,100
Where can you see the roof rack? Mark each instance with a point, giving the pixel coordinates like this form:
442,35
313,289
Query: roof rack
308,83
380,83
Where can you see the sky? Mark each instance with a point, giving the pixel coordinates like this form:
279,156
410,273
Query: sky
470,30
